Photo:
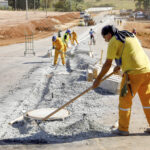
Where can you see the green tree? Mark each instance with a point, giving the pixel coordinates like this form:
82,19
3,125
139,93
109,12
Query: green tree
143,4
146,4
21,4
68,5
59,6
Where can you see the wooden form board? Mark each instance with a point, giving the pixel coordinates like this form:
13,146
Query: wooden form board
89,75
40,114
96,71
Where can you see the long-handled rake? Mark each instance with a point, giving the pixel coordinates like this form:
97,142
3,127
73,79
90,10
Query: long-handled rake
72,100
52,111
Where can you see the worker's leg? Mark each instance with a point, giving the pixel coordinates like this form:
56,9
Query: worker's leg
125,102
94,40
65,49
62,57
76,41
56,57
144,94
91,41
72,41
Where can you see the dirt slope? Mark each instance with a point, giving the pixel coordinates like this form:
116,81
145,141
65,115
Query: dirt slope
142,29
14,27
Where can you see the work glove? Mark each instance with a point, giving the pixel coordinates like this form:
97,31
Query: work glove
116,69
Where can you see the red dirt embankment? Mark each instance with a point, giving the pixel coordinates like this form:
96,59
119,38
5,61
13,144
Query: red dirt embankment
143,31
14,32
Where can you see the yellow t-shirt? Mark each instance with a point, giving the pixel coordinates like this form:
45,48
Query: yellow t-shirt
59,45
134,58
74,35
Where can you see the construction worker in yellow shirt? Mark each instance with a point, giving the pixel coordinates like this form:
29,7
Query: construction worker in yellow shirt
59,49
125,48
74,37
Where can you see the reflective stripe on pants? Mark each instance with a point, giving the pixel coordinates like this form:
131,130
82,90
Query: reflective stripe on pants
140,83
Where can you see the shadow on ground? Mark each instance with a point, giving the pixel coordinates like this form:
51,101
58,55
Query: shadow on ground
51,139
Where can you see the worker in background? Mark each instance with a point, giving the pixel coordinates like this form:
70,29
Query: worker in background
92,38
120,22
65,45
67,37
59,33
74,37
59,49
131,58
134,31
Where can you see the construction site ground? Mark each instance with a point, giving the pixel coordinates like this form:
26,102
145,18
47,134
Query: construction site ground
31,82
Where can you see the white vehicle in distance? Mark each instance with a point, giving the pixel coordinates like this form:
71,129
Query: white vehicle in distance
139,15
82,14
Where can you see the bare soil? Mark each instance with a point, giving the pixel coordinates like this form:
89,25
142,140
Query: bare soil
14,25
142,29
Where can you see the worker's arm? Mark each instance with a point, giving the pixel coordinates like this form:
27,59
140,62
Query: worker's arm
104,70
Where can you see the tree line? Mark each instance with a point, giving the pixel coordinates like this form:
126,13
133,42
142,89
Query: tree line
64,5
143,4
57,5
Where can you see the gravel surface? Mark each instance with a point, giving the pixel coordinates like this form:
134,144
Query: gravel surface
91,115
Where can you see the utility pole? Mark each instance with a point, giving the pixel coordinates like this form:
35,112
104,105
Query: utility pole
46,7
34,6
27,9
70,4
15,4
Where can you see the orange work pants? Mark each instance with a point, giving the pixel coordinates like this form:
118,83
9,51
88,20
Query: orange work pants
74,39
57,53
140,84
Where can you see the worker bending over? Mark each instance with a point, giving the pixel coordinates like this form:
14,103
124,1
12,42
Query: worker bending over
124,47
74,37
59,49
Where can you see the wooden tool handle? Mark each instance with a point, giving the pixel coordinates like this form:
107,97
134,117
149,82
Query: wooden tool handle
72,100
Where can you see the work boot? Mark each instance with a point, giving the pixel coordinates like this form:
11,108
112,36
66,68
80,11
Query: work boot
119,132
54,65
147,130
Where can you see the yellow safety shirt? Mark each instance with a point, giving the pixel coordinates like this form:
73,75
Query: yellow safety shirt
58,44
74,35
67,39
134,58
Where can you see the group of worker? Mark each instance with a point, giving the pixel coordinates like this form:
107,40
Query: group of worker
60,44
129,56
